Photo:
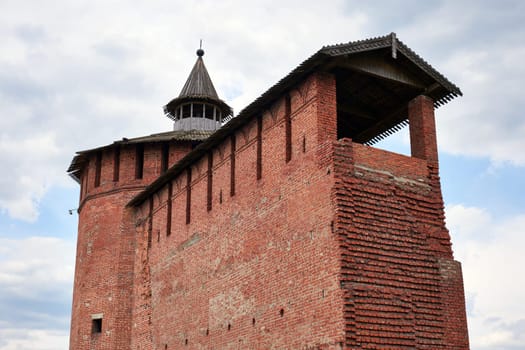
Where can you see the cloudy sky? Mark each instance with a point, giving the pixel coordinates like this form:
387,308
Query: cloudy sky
79,74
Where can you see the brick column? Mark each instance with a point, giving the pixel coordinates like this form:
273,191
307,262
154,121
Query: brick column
423,129
326,110
326,107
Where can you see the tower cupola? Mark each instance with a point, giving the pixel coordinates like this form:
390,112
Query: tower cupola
198,106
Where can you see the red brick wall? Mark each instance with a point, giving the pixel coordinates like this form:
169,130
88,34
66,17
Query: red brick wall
98,276
222,280
390,164
106,246
423,141
341,246
402,287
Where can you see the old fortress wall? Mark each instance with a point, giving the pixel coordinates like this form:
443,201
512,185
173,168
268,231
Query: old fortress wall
282,232
249,234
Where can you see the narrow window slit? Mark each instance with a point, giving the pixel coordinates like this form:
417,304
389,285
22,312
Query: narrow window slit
98,168
259,147
139,161
116,164
150,223
232,167
188,195
86,185
288,127
169,208
165,157
210,182
96,325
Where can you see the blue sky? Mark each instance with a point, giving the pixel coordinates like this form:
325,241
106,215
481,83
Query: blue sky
79,74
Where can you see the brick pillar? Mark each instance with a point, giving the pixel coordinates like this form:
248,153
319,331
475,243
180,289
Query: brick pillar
423,129
326,109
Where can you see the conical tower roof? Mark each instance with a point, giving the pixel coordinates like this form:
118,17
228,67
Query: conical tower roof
197,90
199,83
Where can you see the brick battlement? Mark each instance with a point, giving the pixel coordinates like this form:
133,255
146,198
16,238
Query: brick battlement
392,166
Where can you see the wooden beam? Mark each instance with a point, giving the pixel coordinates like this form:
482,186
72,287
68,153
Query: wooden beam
355,109
430,89
382,125
377,66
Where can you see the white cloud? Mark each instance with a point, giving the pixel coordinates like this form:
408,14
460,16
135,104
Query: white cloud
36,276
36,267
75,76
33,339
30,167
491,252
483,56
79,73
487,121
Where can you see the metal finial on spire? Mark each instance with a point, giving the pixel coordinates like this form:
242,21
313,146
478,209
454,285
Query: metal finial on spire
200,51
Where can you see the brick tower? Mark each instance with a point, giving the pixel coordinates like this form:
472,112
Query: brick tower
284,228
110,176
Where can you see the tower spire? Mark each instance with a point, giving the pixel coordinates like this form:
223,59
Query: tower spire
198,106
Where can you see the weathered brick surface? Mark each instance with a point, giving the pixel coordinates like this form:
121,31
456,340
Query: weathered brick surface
258,270
340,246
106,247
402,287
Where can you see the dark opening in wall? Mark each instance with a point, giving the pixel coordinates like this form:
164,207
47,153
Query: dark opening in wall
198,110
169,209
288,127
371,110
98,168
232,166
186,110
150,221
83,186
96,325
165,157
116,164
188,195
86,183
139,161
259,147
210,182
210,112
